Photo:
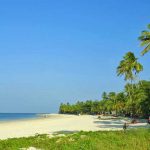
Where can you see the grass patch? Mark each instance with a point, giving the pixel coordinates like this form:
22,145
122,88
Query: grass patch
135,139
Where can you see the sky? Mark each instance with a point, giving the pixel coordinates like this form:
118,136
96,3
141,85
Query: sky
66,50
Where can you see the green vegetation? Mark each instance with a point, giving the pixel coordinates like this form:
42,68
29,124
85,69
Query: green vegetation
129,67
134,99
137,139
145,40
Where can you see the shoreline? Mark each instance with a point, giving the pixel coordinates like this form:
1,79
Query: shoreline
58,122
9,116
40,118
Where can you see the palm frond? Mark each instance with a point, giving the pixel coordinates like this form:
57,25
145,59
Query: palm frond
146,49
145,40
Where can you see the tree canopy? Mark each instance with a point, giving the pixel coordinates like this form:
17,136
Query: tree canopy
120,103
134,99
145,40
129,66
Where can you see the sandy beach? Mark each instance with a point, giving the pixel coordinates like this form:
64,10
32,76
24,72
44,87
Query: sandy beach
55,123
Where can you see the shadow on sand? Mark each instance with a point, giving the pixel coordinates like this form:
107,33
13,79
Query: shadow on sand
110,124
65,132
117,124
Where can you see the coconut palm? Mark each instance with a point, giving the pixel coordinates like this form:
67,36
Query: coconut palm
129,67
138,96
120,102
112,98
145,40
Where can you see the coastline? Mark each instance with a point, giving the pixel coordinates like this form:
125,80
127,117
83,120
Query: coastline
8,117
58,122
38,117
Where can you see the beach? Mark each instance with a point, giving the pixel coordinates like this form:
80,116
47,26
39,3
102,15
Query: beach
52,123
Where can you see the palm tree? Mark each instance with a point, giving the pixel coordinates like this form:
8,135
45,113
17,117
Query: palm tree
112,98
145,40
129,67
138,96
120,102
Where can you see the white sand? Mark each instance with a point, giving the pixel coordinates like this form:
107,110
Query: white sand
55,123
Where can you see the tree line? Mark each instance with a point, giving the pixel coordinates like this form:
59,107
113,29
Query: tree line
117,103
134,100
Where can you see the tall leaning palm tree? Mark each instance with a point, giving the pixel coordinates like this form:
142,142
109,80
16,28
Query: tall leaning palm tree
145,40
129,67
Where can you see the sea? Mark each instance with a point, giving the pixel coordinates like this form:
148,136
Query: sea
18,116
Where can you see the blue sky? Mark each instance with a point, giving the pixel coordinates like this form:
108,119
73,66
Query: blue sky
60,51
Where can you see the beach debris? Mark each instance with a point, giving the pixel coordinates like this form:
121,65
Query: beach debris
133,121
99,117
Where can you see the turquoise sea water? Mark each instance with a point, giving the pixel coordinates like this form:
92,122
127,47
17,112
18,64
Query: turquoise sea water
17,116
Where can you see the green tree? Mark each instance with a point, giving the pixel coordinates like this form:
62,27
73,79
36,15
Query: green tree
145,103
104,96
135,98
120,104
129,67
138,96
145,40
112,98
